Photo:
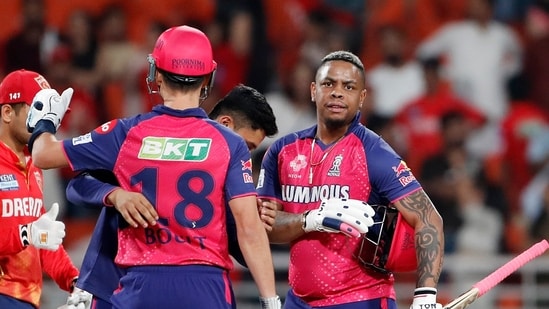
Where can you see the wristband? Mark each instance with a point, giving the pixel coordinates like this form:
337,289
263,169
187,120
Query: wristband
270,302
42,126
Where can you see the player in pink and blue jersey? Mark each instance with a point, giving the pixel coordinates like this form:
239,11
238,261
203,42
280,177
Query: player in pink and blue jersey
340,158
243,110
187,166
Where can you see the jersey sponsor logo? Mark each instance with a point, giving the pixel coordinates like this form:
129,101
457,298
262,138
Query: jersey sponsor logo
163,235
298,163
8,182
246,165
175,149
247,178
336,165
401,168
309,194
82,139
106,127
406,180
21,207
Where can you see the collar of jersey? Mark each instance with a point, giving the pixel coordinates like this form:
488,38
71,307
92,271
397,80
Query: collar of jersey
189,112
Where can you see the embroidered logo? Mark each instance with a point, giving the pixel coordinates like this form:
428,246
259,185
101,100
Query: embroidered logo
336,166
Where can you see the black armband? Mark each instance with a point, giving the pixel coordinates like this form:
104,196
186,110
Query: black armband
41,127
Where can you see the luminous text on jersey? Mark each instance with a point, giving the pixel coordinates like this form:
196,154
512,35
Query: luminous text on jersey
175,149
302,194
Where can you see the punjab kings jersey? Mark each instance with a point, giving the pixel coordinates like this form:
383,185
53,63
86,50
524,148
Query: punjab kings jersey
21,268
299,172
187,166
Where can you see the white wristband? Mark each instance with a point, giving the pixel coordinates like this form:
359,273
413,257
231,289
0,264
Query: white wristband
270,302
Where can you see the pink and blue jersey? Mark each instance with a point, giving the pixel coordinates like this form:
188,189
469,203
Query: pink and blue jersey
187,166
299,172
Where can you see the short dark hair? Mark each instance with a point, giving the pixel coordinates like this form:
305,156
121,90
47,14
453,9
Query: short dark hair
249,108
183,83
347,56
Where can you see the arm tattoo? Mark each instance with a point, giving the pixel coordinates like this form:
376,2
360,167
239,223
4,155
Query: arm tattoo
428,238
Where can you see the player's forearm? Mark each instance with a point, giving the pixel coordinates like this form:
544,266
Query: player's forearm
254,245
287,227
47,152
419,212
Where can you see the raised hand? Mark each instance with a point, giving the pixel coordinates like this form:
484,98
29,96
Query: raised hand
49,105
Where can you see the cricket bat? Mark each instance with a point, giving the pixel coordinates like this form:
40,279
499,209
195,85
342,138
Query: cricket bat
493,279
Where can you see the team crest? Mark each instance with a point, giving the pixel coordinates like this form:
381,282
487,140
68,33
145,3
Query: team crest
38,177
335,170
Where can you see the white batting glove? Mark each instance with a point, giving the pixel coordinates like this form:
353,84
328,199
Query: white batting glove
347,216
45,232
270,302
79,299
425,298
49,105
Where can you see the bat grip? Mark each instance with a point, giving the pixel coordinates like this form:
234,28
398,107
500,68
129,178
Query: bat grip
508,268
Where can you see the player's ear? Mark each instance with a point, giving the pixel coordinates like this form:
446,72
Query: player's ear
227,121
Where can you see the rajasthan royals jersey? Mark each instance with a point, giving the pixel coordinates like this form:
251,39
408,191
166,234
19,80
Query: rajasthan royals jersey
187,166
299,171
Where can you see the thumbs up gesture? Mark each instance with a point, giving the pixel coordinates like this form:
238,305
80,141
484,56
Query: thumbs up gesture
46,232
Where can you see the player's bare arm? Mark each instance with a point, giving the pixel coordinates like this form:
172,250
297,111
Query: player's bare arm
267,213
285,227
419,212
48,152
254,244
134,207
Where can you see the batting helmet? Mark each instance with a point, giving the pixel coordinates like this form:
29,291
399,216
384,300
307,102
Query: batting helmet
185,53
389,244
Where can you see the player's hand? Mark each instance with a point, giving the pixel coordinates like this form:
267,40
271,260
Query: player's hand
347,216
45,232
49,105
270,302
425,298
134,207
267,213
79,299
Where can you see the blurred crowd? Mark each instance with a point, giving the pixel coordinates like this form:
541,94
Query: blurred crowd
459,88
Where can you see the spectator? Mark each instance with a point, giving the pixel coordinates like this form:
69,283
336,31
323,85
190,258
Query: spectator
396,80
481,54
419,120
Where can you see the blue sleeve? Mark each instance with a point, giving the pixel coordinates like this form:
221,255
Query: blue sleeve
390,176
90,188
98,149
239,180
268,184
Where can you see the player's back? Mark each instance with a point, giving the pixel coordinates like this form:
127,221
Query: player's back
180,164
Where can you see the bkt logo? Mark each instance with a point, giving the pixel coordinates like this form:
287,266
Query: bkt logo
175,149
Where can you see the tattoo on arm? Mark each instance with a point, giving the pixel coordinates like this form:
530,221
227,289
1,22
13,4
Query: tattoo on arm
428,237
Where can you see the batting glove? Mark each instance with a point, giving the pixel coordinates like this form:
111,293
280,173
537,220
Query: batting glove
347,216
79,299
49,105
425,298
270,302
45,232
